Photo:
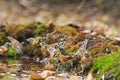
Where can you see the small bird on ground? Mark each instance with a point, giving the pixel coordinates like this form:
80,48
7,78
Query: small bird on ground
50,25
84,55
43,49
55,53
34,41
44,52
40,52
86,59
4,49
82,50
61,44
52,51
86,62
16,45
64,58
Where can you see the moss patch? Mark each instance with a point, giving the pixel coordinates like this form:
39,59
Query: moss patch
108,64
66,30
12,52
2,36
40,28
11,61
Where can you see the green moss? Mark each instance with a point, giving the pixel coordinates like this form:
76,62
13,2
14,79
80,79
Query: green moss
1,41
108,64
66,30
71,49
12,52
10,27
39,29
11,61
2,35
102,46
7,78
104,61
78,69
32,48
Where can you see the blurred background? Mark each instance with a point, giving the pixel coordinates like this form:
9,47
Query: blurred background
82,12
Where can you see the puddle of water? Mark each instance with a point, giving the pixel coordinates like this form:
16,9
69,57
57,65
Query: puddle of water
14,69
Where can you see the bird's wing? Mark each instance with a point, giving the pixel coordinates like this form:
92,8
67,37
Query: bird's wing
16,44
12,40
17,48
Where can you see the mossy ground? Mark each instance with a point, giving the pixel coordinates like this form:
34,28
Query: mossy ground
108,64
2,36
12,52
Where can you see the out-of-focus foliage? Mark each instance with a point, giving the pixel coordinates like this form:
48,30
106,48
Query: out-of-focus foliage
12,52
66,30
2,36
108,64
11,61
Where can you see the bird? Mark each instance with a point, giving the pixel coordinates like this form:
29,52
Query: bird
62,50
55,53
34,41
15,44
86,59
52,51
50,25
86,62
82,49
4,49
61,44
84,56
64,58
40,52
44,51
83,46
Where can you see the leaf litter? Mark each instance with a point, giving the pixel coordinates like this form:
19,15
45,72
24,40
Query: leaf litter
55,52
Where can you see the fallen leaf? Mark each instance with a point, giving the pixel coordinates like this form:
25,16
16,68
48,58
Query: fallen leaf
46,73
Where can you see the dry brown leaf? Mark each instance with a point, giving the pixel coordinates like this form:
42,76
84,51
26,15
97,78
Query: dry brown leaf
46,73
42,75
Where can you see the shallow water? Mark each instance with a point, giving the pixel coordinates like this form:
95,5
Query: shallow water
18,69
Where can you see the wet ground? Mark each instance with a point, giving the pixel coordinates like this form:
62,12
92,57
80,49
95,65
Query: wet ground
14,69
88,16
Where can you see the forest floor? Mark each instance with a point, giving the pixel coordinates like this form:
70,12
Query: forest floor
58,42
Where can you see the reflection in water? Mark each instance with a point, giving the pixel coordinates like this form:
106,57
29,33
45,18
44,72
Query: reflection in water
14,69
